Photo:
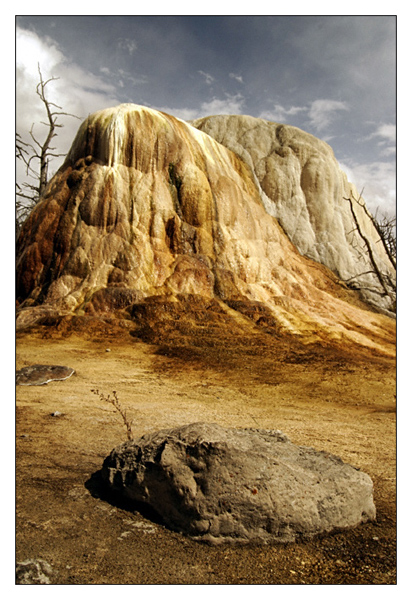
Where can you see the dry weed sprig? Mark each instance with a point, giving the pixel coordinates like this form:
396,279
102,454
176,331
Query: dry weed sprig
115,402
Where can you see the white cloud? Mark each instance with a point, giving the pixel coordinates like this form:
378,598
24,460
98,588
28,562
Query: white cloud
238,78
122,76
131,78
280,114
75,90
386,131
31,50
127,44
322,112
229,105
209,78
386,135
387,150
378,182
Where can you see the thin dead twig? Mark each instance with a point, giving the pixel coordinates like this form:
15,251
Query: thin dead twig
115,402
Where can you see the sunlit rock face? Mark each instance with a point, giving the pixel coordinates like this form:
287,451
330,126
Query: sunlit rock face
303,186
145,205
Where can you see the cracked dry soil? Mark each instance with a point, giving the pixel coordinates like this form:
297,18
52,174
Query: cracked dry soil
332,400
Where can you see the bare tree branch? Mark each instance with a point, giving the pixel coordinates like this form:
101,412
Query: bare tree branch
39,152
385,236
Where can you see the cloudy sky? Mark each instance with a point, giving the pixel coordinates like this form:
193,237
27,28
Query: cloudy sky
333,76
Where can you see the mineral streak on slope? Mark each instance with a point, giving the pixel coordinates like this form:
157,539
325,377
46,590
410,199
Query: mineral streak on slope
145,205
303,186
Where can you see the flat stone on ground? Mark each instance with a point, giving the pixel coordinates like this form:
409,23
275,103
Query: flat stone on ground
42,374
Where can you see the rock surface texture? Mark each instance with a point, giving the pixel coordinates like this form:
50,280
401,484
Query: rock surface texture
302,185
238,485
42,374
146,206
33,572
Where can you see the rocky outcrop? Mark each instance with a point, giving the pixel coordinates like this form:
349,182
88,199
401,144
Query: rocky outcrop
239,485
302,185
146,206
33,572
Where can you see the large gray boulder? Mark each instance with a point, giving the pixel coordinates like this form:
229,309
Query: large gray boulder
238,485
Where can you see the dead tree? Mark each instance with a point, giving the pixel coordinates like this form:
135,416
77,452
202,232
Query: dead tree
22,206
36,151
385,230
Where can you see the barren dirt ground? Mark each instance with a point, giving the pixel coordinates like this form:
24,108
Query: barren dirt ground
338,403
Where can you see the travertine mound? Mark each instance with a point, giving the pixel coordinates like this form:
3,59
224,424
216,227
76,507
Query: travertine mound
146,206
303,186
238,485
